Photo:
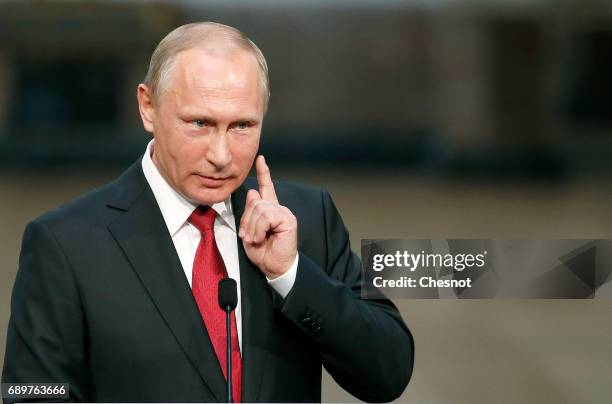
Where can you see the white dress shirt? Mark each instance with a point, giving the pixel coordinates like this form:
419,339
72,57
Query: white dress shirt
176,209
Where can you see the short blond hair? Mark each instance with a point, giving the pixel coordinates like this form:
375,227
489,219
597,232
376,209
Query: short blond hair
191,36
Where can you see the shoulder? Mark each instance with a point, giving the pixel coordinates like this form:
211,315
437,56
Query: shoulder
82,205
94,208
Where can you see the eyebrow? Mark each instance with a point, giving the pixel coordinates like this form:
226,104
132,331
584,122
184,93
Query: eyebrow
214,121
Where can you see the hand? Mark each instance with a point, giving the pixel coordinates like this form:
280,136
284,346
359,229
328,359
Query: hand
267,229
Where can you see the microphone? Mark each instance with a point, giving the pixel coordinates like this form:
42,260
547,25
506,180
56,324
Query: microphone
228,299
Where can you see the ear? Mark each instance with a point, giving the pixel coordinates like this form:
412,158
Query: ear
146,107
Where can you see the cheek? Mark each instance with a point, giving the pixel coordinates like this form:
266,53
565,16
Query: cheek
181,153
244,150
168,136
183,144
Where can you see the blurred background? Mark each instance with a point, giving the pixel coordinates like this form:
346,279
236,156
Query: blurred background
424,119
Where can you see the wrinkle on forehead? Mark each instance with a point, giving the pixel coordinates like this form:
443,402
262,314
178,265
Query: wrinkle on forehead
216,76
212,70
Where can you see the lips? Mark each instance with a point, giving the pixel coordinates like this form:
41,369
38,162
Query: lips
211,182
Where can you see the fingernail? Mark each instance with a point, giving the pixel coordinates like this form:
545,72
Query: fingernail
247,238
241,233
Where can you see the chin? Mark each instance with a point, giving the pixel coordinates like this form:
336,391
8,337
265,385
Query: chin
210,196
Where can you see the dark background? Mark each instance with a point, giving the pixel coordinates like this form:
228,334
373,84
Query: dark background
425,119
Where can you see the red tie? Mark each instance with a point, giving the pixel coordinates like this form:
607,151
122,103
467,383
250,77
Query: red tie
208,270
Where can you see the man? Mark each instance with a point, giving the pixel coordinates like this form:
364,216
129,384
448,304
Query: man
116,291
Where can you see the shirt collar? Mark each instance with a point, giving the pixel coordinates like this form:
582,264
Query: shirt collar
175,208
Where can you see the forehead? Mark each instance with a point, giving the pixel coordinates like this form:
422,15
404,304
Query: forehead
209,78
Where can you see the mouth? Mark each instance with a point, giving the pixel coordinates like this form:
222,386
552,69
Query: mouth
211,182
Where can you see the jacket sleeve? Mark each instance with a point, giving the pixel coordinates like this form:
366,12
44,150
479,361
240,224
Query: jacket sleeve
46,332
364,344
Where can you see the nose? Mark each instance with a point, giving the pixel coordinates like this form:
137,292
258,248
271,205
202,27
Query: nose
219,153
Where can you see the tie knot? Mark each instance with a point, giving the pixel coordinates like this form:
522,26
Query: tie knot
203,218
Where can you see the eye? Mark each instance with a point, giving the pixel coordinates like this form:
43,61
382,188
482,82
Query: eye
242,125
200,123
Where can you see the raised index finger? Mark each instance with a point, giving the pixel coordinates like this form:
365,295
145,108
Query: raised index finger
266,187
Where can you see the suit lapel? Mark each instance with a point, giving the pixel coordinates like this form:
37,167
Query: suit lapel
257,313
142,234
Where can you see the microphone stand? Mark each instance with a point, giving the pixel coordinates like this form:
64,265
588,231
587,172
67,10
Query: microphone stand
228,300
228,333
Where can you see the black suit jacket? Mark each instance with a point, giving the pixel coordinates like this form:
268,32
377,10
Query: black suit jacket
101,302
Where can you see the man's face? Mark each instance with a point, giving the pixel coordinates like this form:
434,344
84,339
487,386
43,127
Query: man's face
207,123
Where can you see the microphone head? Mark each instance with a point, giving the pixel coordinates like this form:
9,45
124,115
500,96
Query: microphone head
228,294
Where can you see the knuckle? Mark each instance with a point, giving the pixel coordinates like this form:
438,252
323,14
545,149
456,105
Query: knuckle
258,207
267,215
262,226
